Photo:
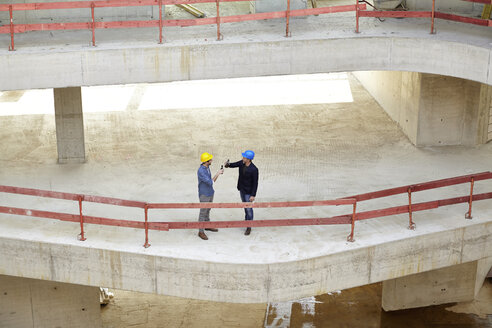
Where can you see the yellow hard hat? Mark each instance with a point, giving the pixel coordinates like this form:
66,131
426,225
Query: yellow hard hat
205,157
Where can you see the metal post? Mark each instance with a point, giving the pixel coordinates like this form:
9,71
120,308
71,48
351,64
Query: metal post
433,15
411,224
82,235
468,214
93,25
287,14
160,21
351,236
219,36
146,208
11,29
356,16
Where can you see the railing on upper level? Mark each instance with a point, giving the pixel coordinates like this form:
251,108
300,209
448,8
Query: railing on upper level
166,226
359,8
426,14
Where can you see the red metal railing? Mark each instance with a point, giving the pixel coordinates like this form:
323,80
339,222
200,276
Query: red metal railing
165,226
92,25
425,14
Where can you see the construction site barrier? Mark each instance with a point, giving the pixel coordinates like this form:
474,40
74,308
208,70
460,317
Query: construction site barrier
166,226
92,25
433,14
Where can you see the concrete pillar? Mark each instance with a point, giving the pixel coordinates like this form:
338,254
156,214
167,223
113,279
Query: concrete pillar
458,283
432,110
69,125
37,303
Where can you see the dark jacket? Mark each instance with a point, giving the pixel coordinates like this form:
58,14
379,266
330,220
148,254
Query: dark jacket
248,178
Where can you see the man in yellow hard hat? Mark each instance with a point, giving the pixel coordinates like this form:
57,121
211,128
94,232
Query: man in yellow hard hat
206,190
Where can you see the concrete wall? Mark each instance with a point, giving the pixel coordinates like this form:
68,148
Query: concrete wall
263,6
447,285
449,111
450,6
398,93
432,110
117,64
30,303
241,282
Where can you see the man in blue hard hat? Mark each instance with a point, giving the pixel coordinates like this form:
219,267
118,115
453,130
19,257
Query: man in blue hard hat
247,183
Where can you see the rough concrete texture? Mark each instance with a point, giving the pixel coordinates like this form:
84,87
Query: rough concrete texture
30,303
325,43
484,266
317,151
454,6
399,95
265,6
432,110
452,284
69,125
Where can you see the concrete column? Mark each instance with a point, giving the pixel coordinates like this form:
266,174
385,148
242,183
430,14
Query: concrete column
37,303
459,283
432,110
69,125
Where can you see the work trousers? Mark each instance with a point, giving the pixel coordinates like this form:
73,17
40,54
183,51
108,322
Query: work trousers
205,212
248,212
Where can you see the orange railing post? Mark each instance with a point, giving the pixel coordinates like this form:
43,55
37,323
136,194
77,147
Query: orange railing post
160,21
411,224
356,16
219,36
82,235
468,214
146,209
11,29
433,15
287,15
350,237
93,25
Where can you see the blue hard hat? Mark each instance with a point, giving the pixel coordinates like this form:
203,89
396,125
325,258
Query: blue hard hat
249,154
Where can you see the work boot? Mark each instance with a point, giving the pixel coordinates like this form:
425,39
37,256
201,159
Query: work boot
202,235
247,232
212,229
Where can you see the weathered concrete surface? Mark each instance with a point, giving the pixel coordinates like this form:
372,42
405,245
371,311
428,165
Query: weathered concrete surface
246,283
484,266
69,125
432,110
258,48
316,151
452,284
264,6
454,6
28,303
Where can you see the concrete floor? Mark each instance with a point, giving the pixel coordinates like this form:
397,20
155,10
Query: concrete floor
304,152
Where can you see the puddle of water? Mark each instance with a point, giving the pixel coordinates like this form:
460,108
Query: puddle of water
361,307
